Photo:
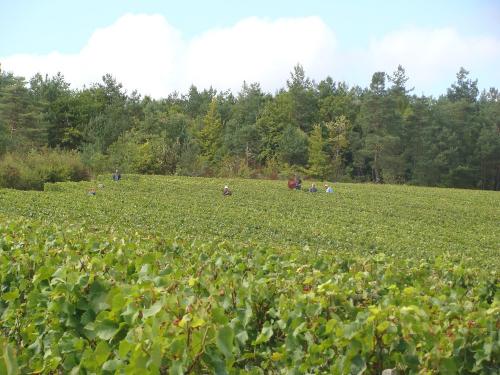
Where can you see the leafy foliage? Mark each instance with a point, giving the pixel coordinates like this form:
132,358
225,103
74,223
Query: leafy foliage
164,275
32,171
383,133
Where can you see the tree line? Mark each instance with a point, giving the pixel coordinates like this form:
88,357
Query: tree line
326,130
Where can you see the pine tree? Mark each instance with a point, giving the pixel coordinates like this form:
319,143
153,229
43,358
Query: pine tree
19,116
338,140
318,159
304,101
210,136
276,116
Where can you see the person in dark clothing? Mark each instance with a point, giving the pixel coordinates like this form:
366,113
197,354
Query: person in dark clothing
226,191
117,176
298,183
313,189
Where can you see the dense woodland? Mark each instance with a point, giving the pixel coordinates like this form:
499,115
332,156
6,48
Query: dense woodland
326,130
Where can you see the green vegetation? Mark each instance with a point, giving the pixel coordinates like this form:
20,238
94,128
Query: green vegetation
165,275
33,170
382,133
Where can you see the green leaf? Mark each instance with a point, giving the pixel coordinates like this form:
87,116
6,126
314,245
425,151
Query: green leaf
383,326
350,330
219,316
106,329
330,325
215,361
178,345
153,310
358,365
176,368
101,352
248,315
11,296
112,365
124,348
265,335
242,337
224,341
9,357
448,366
43,273
197,322
185,320
155,355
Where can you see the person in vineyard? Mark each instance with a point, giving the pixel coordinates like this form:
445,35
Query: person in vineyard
117,176
298,183
313,189
226,191
328,189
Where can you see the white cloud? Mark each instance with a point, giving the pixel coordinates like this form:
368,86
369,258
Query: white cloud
145,52
141,51
431,57
260,50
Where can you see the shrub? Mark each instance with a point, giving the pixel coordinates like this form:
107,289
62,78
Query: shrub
31,171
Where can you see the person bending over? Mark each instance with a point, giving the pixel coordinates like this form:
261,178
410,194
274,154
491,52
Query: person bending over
117,176
226,191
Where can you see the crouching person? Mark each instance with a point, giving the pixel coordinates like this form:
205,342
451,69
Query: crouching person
226,191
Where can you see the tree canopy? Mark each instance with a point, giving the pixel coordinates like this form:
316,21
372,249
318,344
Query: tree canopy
326,129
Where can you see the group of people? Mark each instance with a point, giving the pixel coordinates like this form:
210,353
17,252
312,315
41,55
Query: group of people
314,189
296,183
116,176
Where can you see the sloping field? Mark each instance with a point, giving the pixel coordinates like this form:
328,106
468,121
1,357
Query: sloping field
397,220
165,275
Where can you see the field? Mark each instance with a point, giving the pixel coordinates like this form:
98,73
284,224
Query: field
165,275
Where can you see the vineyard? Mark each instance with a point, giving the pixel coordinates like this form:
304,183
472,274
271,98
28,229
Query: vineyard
164,275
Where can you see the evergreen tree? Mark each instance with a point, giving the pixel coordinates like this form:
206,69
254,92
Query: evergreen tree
59,110
241,137
415,126
292,147
464,89
304,101
318,159
338,140
20,117
380,133
276,116
341,102
210,135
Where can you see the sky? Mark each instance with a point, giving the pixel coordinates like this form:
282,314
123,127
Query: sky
157,47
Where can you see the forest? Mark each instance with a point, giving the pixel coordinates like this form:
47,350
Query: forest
325,130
